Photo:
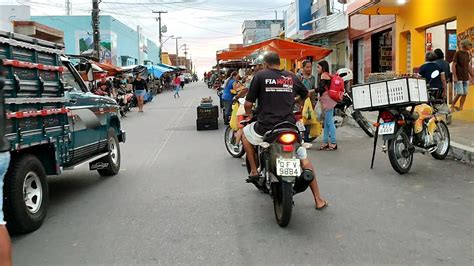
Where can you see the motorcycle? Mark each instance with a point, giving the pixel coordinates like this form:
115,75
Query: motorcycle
235,149
419,128
281,174
124,100
344,109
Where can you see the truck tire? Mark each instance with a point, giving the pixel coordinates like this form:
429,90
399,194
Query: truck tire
113,158
26,195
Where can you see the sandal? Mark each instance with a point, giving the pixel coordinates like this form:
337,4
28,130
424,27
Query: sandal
332,148
324,147
324,206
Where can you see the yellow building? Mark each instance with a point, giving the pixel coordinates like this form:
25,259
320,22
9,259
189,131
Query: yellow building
165,58
423,25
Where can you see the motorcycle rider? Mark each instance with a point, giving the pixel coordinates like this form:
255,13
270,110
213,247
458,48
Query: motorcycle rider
275,91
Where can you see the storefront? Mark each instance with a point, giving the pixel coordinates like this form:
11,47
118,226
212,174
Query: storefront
371,44
420,26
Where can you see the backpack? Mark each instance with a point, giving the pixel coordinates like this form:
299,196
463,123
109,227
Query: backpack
336,89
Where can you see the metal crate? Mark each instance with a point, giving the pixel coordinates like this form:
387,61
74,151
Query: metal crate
394,92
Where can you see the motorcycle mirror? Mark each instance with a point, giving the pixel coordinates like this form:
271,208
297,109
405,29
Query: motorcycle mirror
435,74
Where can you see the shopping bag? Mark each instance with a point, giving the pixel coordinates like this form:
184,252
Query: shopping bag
307,112
316,129
319,111
234,122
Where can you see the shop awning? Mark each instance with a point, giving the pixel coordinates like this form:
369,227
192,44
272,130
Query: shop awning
159,70
111,69
286,49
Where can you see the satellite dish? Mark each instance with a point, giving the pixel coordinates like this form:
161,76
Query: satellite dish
164,29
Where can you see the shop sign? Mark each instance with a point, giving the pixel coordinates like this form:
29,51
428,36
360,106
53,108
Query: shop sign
298,13
452,42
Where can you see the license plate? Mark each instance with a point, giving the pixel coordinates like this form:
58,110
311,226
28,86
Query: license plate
300,126
387,128
288,167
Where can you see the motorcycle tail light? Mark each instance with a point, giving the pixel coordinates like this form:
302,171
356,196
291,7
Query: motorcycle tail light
401,122
287,138
288,148
386,116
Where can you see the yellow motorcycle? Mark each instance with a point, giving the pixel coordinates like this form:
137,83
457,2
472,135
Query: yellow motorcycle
419,128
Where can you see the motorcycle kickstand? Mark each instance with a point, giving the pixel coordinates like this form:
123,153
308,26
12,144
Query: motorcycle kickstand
376,138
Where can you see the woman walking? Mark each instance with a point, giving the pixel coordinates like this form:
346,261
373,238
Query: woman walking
177,86
328,104
140,88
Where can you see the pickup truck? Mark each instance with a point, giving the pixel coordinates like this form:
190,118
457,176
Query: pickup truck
53,124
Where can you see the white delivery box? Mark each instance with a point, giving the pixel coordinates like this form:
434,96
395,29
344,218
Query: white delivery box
393,92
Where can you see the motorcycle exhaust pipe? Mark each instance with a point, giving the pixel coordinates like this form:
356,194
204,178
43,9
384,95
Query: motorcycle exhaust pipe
303,181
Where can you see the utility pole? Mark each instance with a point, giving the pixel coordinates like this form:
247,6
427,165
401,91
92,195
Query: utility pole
68,8
95,29
177,49
160,31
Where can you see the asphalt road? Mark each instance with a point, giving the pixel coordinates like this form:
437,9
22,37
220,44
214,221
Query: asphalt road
181,199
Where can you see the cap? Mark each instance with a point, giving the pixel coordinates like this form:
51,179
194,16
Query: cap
466,42
103,76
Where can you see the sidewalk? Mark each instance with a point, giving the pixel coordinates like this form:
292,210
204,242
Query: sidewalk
462,141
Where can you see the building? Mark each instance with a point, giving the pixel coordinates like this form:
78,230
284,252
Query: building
37,30
329,29
120,44
408,29
255,31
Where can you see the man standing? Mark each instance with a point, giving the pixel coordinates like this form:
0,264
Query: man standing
5,245
462,69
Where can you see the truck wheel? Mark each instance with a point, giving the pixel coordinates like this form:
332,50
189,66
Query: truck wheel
26,195
113,158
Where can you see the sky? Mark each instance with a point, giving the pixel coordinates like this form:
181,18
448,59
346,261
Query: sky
204,25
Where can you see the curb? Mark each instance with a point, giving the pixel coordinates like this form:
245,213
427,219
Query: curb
462,153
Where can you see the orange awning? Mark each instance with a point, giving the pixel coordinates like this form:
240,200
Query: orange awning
286,49
111,69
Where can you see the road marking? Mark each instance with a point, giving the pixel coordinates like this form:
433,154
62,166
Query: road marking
170,134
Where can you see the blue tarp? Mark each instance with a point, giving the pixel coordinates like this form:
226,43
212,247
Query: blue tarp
159,70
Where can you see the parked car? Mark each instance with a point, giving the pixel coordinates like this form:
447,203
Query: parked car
53,124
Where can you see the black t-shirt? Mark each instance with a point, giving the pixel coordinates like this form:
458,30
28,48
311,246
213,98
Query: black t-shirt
426,70
275,91
139,85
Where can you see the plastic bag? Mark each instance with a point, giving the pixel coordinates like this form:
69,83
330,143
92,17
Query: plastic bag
308,112
316,129
234,121
319,111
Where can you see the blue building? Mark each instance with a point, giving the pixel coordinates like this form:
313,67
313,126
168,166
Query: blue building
120,44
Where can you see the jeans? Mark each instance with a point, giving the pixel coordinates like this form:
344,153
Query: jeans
4,162
329,127
227,109
176,90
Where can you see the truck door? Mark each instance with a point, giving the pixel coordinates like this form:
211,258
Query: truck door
84,110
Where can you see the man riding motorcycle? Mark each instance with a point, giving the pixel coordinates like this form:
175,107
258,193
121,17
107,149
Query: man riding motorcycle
275,91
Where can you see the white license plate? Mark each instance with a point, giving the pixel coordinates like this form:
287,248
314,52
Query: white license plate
387,128
288,167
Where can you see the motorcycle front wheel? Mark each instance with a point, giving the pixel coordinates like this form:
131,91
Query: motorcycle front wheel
401,158
364,123
282,202
442,139
235,150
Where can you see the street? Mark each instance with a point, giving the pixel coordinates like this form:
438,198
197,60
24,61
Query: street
180,198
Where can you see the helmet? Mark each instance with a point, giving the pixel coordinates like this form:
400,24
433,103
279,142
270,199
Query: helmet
345,73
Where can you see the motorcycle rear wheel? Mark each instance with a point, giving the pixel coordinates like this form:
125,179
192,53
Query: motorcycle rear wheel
282,202
400,157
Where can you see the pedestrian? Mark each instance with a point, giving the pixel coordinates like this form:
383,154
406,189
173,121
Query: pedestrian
328,104
181,78
104,86
228,96
5,243
177,86
462,69
309,81
140,88
438,84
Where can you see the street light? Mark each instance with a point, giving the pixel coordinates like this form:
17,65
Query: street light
169,37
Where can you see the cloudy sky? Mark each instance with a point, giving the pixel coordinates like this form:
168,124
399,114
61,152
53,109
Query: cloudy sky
205,25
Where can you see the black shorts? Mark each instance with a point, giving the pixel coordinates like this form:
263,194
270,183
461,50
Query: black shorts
182,84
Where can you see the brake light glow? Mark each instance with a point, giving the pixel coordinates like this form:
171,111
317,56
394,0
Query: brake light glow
288,138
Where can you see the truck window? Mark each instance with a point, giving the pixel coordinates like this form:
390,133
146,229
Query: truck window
70,81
